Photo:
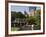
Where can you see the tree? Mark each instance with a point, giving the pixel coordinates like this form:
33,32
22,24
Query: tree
17,15
38,19
20,15
13,15
32,20
12,18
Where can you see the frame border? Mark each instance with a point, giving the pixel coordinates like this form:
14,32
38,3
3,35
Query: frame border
6,17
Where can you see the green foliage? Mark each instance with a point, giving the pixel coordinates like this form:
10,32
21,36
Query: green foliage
16,15
14,29
31,20
36,19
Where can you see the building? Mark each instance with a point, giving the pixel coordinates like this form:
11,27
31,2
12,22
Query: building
32,11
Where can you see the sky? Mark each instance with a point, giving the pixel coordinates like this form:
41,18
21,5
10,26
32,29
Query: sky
21,8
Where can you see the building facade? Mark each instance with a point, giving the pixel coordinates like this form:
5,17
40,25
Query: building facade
32,11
